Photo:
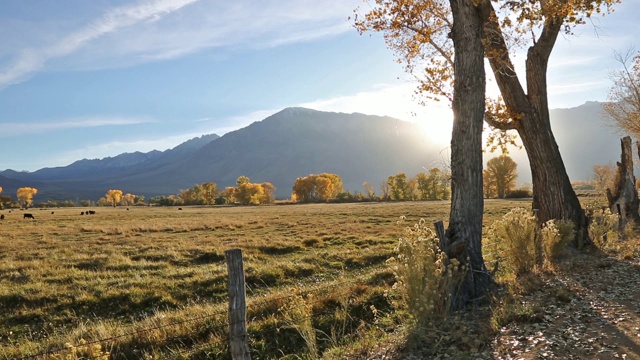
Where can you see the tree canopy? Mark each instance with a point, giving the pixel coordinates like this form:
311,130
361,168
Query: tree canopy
25,195
113,197
317,187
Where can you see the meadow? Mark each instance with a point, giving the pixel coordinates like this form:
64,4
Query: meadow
150,282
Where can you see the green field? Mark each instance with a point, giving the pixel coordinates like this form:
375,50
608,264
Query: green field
150,282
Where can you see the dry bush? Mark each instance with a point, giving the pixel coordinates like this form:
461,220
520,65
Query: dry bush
602,228
555,236
516,234
424,281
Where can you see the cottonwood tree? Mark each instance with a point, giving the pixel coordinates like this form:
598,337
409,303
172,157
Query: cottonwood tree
210,193
399,188
248,193
25,195
623,108
128,199
433,185
113,197
254,194
501,173
417,31
426,34
200,194
317,187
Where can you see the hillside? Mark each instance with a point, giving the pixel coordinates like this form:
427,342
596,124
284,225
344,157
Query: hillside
297,142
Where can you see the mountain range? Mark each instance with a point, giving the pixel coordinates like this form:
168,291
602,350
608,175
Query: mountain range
296,142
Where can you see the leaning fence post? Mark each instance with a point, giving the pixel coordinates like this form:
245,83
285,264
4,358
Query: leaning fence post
238,338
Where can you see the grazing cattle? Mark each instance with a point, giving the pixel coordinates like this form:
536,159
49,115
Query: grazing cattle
82,213
179,208
28,216
2,217
52,213
91,212
127,209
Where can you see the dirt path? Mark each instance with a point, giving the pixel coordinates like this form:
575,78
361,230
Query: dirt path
590,309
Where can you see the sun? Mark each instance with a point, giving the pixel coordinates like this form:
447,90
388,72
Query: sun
436,122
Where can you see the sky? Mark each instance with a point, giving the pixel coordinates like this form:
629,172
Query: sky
90,79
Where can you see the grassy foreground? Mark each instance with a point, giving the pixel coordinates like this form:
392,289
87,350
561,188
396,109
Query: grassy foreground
151,282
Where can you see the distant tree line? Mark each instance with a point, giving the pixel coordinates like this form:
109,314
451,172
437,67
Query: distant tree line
434,184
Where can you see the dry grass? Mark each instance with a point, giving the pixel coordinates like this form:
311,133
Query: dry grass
160,274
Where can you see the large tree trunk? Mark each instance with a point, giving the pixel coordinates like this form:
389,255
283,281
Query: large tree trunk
467,204
553,194
623,198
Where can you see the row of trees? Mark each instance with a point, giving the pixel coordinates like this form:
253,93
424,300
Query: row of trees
115,197
433,185
244,193
499,180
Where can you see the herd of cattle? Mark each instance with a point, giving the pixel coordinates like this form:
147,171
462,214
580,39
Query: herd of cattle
30,215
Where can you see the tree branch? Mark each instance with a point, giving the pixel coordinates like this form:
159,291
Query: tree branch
503,126
497,52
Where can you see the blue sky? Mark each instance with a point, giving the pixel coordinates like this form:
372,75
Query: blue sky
90,79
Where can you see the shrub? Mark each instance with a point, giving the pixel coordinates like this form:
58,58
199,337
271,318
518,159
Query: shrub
555,236
425,283
602,228
517,240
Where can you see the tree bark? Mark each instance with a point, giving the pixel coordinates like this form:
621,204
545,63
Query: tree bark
553,194
467,204
623,198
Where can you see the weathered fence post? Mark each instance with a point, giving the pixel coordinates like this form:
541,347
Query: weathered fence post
439,225
238,338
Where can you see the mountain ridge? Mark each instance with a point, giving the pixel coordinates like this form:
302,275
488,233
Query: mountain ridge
296,142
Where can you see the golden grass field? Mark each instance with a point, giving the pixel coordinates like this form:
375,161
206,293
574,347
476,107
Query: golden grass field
150,282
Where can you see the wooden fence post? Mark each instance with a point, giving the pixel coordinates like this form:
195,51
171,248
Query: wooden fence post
444,245
238,338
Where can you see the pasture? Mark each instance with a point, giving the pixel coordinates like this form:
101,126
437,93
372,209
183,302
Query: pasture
150,282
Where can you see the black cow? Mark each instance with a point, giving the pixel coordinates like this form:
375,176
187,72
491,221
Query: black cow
28,216
91,212
2,217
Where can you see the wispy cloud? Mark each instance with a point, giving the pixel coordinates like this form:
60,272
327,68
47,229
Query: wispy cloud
155,30
23,128
33,59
